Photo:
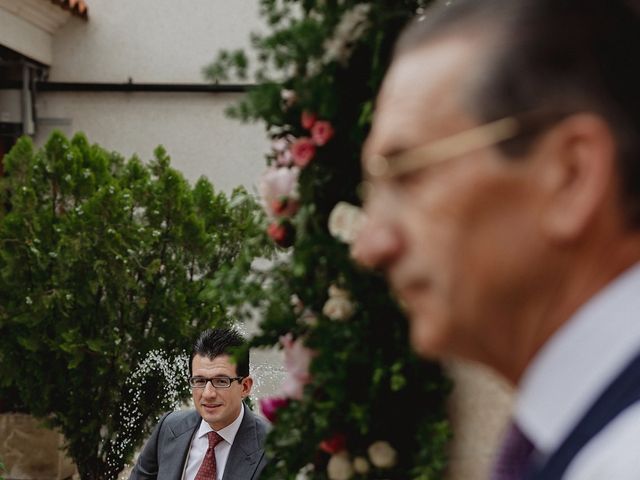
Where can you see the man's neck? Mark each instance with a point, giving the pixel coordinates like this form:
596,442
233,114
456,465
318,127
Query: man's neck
576,283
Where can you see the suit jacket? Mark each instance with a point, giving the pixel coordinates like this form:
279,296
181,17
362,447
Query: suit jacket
165,453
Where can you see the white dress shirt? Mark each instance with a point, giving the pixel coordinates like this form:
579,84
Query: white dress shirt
570,372
200,444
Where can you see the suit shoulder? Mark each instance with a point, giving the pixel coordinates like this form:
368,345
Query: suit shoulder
180,418
262,425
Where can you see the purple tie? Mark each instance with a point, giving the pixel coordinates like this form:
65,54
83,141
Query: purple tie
514,455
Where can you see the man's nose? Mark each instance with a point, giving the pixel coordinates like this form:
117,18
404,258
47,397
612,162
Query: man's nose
209,390
377,243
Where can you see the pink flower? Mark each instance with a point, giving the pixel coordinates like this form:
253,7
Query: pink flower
321,132
334,444
280,144
281,233
270,406
284,207
303,150
307,119
281,148
297,358
277,190
284,159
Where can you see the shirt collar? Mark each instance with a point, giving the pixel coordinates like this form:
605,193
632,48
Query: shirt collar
228,433
575,366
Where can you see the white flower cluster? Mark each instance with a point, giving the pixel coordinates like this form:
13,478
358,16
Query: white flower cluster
353,25
338,47
305,472
381,454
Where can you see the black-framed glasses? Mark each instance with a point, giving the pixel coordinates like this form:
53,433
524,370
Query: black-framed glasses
217,382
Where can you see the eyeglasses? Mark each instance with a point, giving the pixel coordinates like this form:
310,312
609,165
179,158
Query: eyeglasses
448,148
442,150
217,382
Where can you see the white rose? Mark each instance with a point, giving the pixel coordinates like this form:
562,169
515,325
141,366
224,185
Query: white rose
361,465
338,308
339,467
344,221
339,305
289,97
382,454
337,292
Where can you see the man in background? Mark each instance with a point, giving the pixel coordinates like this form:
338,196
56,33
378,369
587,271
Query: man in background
221,439
503,202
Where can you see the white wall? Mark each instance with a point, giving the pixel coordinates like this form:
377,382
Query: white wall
150,40
157,41
191,126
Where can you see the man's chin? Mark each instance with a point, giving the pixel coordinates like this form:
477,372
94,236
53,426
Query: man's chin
209,417
426,340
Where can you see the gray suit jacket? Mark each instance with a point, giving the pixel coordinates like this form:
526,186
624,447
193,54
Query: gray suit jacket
165,453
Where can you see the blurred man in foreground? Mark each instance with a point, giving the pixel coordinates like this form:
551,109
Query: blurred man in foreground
503,202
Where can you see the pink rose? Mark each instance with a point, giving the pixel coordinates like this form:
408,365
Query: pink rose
307,119
270,406
284,207
303,151
282,233
321,132
335,444
297,358
277,190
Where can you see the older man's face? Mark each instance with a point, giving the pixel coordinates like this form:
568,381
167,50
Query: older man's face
456,240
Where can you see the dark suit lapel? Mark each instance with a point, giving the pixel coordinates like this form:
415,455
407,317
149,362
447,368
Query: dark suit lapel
246,452
177,448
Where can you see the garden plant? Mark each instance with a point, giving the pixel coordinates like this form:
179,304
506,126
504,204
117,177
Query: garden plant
357,402
106,269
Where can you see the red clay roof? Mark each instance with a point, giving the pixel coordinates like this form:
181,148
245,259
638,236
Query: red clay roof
76,7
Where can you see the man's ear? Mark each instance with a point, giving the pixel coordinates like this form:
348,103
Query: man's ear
577,160
247,384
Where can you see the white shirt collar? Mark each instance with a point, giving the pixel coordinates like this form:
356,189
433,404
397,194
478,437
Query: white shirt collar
228,433
575,366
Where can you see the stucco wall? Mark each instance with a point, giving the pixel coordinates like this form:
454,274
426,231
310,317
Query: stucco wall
150,40
156,41
191,126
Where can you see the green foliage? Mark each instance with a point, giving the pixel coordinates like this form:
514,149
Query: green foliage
366,383
106,265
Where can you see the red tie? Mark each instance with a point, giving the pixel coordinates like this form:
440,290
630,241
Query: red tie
208,470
